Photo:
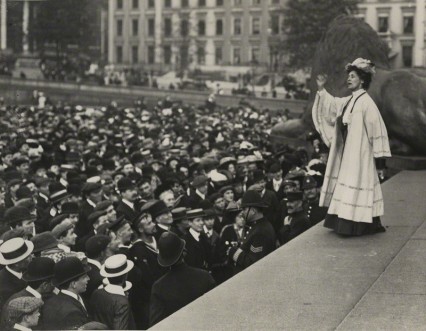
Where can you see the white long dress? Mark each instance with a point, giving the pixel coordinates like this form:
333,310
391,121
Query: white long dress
351,186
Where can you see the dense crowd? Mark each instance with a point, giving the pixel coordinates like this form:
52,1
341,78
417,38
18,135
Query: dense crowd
116,217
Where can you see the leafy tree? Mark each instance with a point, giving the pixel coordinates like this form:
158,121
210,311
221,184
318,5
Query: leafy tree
63,22
305,21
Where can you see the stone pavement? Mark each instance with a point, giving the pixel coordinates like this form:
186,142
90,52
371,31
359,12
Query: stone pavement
322,281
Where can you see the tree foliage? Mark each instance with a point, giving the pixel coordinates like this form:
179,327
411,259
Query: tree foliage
305,22
63,22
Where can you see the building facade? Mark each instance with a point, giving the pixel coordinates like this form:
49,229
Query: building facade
175,34
401,24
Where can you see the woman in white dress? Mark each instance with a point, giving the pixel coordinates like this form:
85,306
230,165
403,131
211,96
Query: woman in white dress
353,129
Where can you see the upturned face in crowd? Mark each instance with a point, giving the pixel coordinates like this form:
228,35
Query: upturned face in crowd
220,203
146,225
128,169
69,238
96,196
169,199
354,82
260,185
196,224
239,220
203,189
146,190
111,214
177,189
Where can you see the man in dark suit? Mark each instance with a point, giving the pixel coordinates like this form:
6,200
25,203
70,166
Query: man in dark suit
38,275
144,254
96,252
110,305
181,285
15,254
162,216
276,184
66,310
93,194
129,195
198,249
260,239
199,193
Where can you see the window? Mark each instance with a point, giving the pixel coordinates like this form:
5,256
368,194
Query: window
219,27
238,2
275,24
135,54
408,24
201,3
151,27
119,4
168,27
151,3
236,56
407,55
135,4
257,2
255,51
237,26
167,54
151,54
185,3
218,55
119,28
219,2
383,23
201,28
201,55
184,28
167,3
119,50
255,25
135,27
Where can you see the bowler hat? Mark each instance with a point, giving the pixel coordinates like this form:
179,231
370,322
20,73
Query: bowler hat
258,175
57,220
252,199
17,214
170,248
117,224
93,217
23,192
96,244
103,205
44,241
15,250
40,268
115,266
69,269
274,168
159,208
124,184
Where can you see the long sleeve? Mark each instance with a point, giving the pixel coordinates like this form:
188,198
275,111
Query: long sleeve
157,310
376,131
123,317
324,114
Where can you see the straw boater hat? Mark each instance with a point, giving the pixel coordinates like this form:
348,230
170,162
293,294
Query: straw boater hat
116,265
15,250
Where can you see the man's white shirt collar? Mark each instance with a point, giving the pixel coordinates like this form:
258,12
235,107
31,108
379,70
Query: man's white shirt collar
94,262
130,204
20,327
90,202
71,294
195,234
114,289
200,194
33,292
15,273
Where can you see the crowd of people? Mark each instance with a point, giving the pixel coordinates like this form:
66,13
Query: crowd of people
114,218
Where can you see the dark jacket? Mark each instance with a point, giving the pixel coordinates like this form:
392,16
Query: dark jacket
83,226
314,212
9,285
280,193
62,312
159,232
126,211
112,310
180,286
5,323
198,252
259,241
299,223
145,259
95,280
273,212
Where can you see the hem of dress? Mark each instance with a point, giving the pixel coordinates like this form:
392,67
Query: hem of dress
346,227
